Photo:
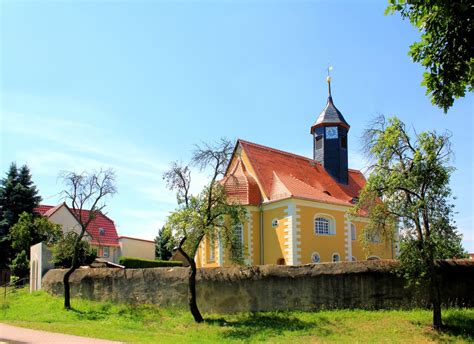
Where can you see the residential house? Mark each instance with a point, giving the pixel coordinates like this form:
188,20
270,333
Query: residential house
101,232
135,247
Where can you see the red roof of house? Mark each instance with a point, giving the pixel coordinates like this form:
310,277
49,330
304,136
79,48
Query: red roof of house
109,238
282,175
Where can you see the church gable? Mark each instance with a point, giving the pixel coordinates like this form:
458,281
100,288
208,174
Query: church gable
241,187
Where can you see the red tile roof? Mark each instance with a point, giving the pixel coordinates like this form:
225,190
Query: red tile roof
240,186
282,175
110,237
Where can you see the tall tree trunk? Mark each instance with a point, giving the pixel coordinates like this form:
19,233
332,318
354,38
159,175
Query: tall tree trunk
192,294
192,302
67,289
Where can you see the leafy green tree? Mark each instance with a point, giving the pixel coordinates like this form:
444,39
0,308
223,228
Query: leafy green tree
446,48
87,193
162,245
30,230
65,248
207,214
20,265
409,186
17,194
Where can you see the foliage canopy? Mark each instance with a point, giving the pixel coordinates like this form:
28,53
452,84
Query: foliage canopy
17,195
409,185
65,249
209,214
446,48
163,245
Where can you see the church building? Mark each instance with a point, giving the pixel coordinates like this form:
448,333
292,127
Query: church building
297,207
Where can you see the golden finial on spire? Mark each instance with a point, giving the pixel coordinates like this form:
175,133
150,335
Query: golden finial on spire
328,78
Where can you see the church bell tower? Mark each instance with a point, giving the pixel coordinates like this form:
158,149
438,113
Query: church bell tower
330,141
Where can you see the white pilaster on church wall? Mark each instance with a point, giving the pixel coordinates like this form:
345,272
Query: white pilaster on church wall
203,251
348,238
297,237
292,235
249,259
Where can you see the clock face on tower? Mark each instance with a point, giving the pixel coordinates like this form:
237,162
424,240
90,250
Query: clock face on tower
331,132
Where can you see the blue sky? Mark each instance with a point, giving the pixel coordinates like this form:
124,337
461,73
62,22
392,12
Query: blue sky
134,85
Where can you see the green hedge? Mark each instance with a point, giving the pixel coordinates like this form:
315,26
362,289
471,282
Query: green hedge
138,263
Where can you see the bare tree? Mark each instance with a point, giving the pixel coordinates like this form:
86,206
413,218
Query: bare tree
86,192
206,214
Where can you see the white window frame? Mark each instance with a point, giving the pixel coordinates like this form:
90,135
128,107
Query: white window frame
104,250
373,238
212,250
353,232
331,224
313,255
240,236
338,257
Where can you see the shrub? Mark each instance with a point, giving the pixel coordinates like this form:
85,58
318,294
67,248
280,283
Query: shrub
63,251
138,263
20,266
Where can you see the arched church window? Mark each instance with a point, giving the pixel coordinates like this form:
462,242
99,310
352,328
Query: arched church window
324,225
336,258
238,244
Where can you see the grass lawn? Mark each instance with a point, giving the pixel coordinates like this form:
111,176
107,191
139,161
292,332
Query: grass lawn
149,324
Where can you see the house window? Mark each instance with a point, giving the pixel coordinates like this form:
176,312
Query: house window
324,225
238,245
353,231
336,258
105,251
315,258
101,231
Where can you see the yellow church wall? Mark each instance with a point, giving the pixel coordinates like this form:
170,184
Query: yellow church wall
381,250
251,250
274,238
275,241
325,245
255,254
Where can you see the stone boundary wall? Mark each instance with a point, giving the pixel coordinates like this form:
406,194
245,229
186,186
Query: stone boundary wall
367,285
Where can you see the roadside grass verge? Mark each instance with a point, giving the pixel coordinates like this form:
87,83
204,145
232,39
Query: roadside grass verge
150,324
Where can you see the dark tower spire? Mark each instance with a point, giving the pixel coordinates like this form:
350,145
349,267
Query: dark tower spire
330,139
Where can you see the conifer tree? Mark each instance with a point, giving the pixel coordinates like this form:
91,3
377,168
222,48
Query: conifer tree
162,245
18,194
